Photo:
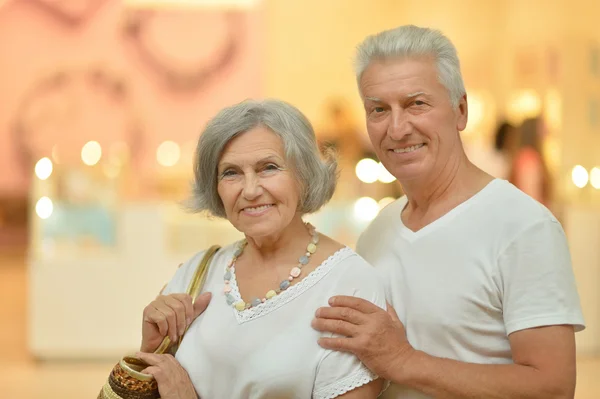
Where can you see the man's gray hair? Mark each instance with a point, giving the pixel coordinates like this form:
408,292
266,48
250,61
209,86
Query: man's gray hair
316,177
411,41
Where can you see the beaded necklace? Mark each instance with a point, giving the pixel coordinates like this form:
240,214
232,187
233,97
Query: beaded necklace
311,248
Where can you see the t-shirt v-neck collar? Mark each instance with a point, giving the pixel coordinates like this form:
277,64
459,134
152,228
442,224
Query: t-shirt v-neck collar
412,236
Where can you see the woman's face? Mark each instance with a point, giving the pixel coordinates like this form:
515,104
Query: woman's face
258,188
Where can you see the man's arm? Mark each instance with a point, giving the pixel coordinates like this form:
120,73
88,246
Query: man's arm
544,368
544,357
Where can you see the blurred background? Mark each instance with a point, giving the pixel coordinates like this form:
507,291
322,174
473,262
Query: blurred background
102,101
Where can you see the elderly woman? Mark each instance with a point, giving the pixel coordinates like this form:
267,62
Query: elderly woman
257,164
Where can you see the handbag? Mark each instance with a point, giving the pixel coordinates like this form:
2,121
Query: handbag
126,380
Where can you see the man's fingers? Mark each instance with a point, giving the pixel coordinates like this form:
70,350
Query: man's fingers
346,314
201,304
339,327
392,312
362,305
336,344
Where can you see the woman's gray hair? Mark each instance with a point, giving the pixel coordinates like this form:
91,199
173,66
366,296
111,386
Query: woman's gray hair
317,177
413,41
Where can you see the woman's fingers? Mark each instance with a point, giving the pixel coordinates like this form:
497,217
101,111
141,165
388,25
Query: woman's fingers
201,304
152,315
164,314
172,314
181,306
186,300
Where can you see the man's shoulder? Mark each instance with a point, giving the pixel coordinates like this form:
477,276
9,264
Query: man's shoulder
510,207
387,218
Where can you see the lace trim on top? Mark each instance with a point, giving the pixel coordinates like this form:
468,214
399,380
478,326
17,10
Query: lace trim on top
346,384
289,294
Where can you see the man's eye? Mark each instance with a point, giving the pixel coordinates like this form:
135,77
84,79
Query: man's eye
378,109
419,102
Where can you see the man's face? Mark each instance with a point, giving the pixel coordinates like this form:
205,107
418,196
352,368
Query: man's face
410,118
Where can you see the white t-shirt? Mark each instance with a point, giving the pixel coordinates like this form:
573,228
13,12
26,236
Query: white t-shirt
271,351
496,264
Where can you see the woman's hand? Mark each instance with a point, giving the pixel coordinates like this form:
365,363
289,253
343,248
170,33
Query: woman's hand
169,315
172,379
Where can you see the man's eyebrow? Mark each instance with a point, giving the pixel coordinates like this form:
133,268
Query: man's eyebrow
409,95
415,94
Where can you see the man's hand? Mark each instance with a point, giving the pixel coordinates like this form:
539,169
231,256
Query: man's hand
376,337
172,379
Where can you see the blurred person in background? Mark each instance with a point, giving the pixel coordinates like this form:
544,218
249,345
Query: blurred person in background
496,160
258,165
484,301
529,170
342,133
506,140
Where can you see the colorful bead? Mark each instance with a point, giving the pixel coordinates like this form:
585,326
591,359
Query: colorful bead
312,248
230,299
303,260
315,239
241,305
271,294
295,272
256,302
284,284
227,275
227,289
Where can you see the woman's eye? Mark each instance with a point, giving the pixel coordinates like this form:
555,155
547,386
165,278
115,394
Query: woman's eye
271,167
228,173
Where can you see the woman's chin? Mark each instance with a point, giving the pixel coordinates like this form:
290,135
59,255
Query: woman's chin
260,230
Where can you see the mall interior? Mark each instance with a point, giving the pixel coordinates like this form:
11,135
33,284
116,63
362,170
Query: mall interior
102,102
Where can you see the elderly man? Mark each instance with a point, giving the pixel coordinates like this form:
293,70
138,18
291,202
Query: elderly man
478,274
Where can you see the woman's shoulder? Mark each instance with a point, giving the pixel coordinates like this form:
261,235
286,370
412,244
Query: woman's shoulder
355,277
186,270
343,254
219,257
356,269
350,270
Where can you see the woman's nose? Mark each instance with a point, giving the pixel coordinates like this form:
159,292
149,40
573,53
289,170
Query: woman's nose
252,188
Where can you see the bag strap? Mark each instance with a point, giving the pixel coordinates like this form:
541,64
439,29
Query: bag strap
193,290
